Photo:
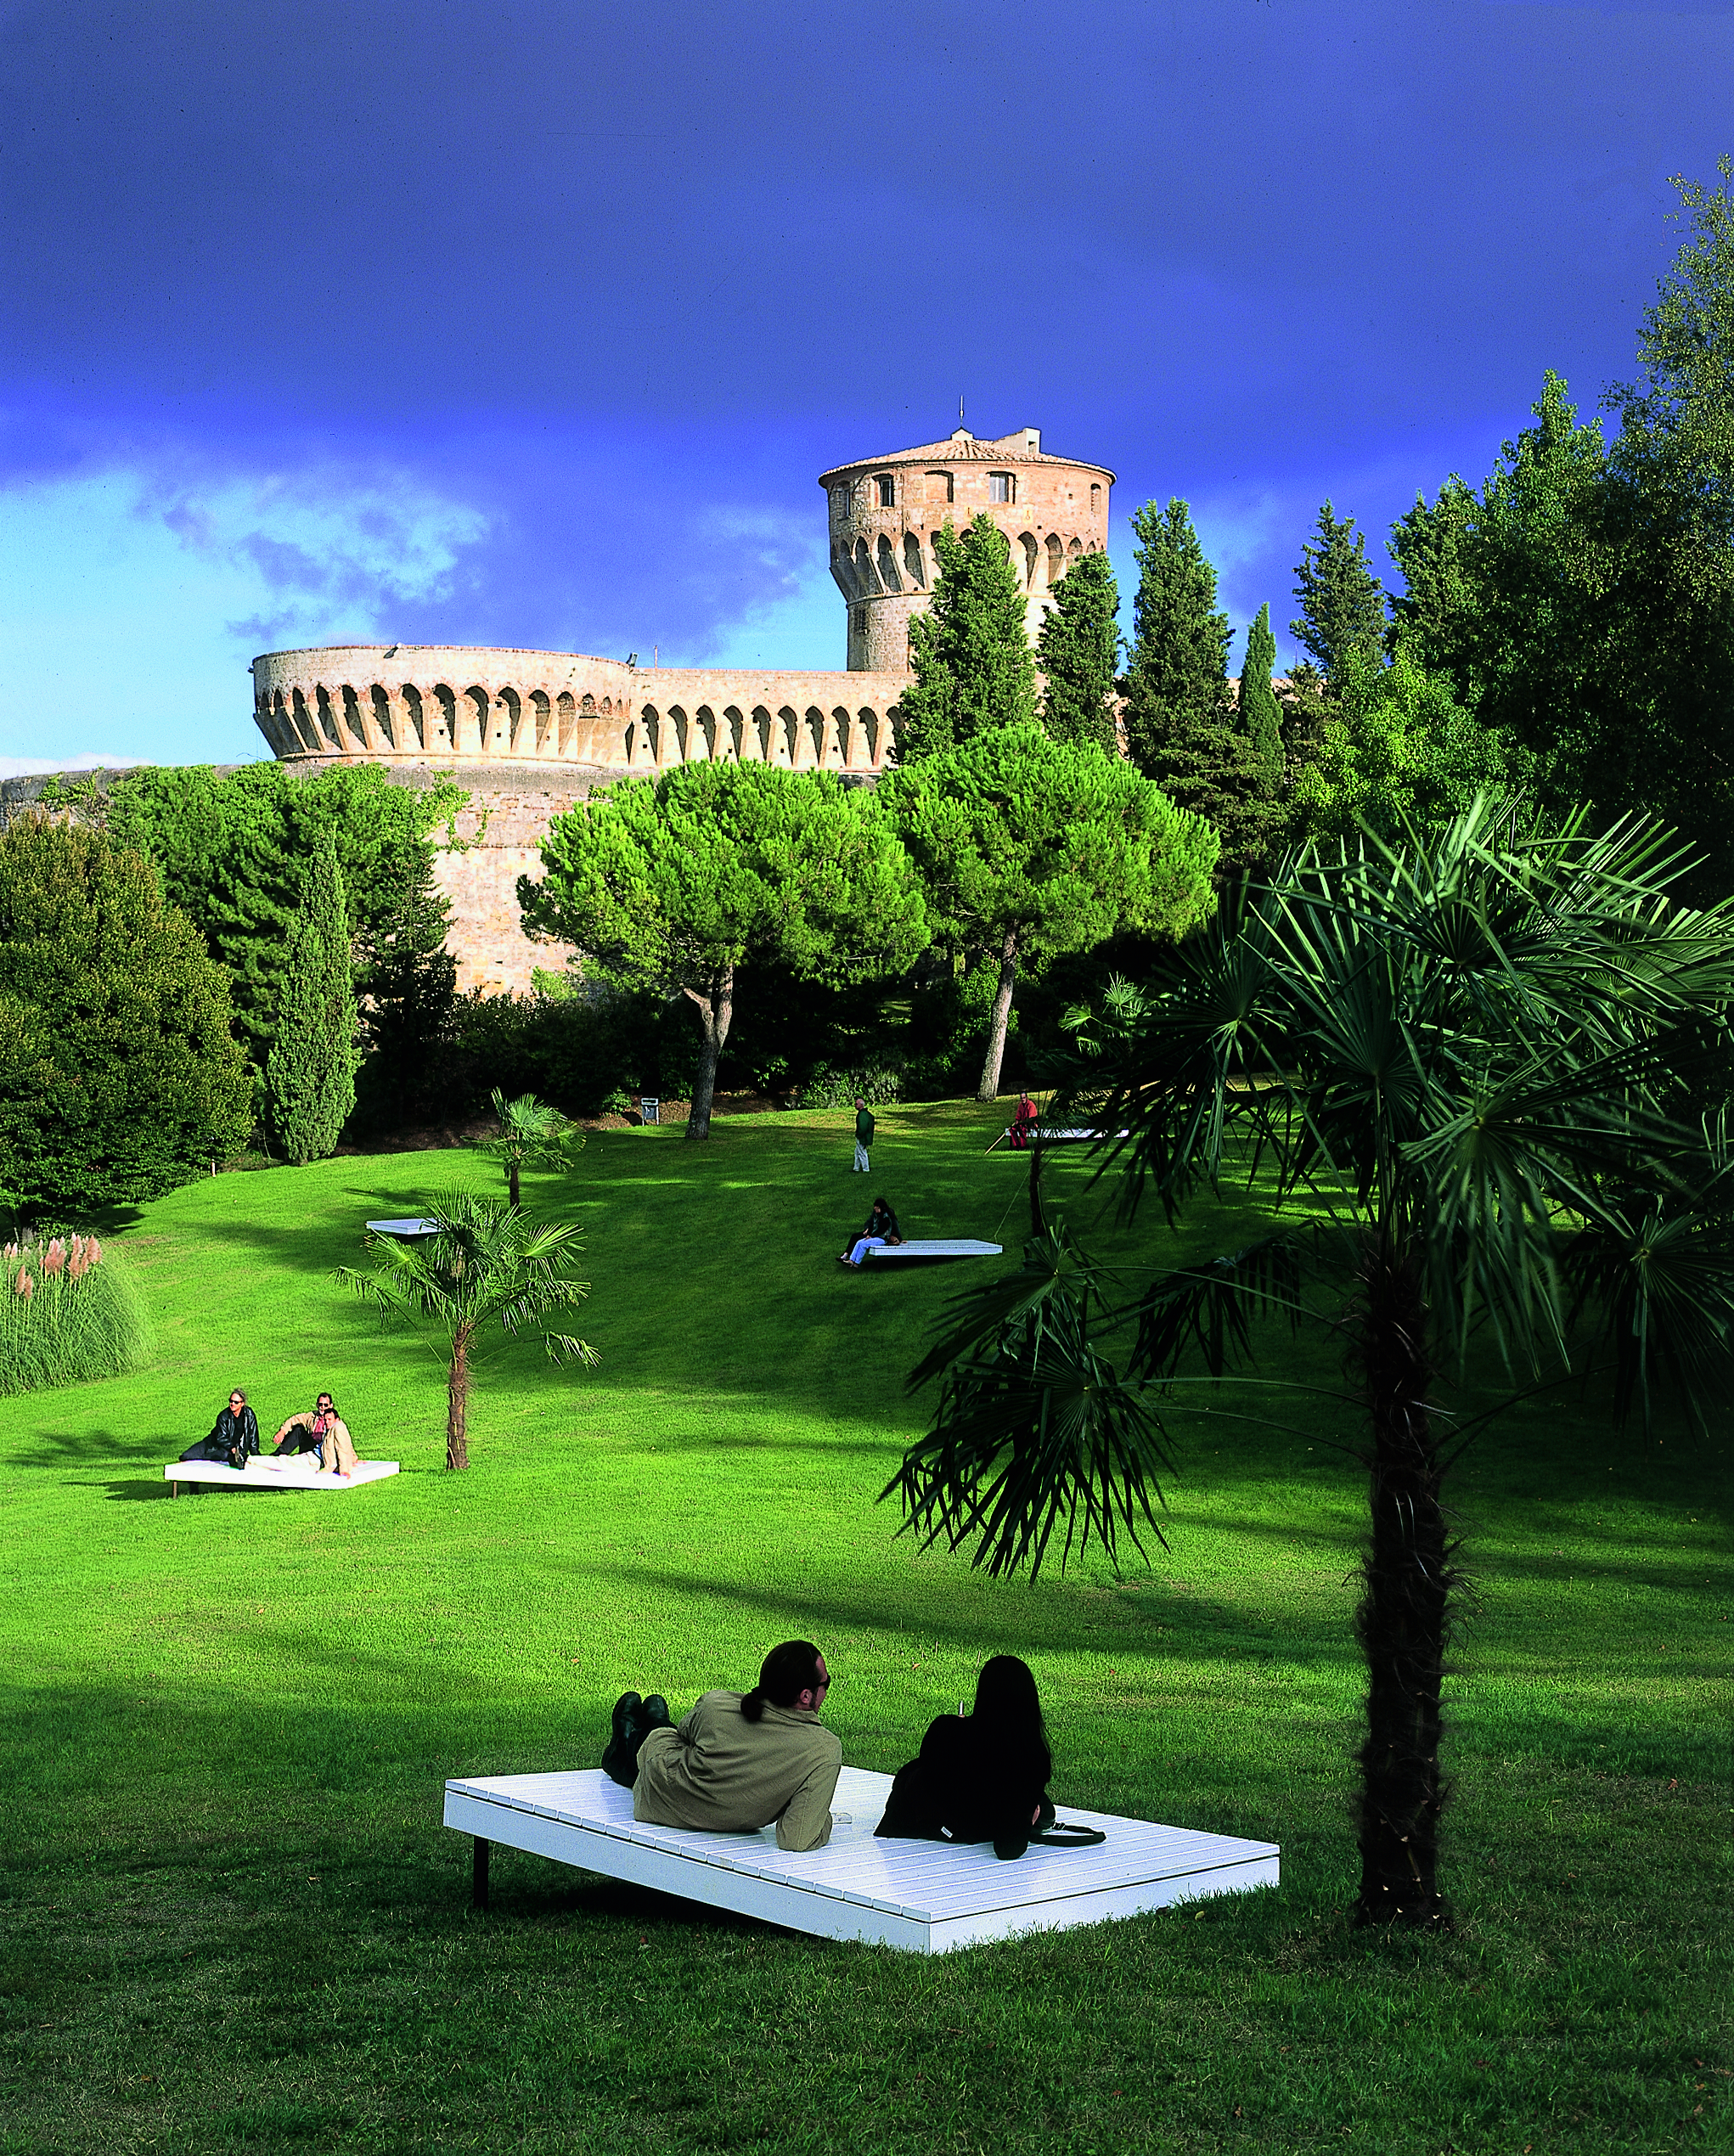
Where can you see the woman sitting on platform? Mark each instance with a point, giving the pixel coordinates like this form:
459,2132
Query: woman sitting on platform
881,1228
981,1777
233,1436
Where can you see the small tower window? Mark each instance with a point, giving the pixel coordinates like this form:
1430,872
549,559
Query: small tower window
888,490
842,498
939,488
860,620
1096,500
1002,487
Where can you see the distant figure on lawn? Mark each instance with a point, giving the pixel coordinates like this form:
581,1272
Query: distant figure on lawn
234,1436
980,1777
881,1228
319,1429
736,1762
1022,1124
864,1138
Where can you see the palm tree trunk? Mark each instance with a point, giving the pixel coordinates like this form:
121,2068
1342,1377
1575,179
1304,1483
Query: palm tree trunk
988,1089
716,1010
512,1181
1403,1617
458,1400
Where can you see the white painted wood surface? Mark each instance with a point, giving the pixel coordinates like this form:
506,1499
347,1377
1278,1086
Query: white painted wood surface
298,1471
404,1229
923,1896
960,1247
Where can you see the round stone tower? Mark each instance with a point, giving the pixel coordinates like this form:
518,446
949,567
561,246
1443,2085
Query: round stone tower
887,511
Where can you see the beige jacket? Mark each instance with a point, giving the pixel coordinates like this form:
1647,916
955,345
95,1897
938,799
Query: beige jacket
719,1772
337,1448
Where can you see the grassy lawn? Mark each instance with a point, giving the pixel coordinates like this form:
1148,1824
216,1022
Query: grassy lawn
232,1921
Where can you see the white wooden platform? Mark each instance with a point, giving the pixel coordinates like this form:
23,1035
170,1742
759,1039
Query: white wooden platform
959,1247
299,1470
404,1229
923,1896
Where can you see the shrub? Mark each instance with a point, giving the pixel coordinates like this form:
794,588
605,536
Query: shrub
69,1311
119,1077
878,1083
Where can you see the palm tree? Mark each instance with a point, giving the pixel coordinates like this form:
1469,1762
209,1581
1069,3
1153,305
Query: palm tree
487,1262
531,1135
1478,1068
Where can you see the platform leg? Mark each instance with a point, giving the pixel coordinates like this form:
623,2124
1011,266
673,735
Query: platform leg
478,1875
174,1489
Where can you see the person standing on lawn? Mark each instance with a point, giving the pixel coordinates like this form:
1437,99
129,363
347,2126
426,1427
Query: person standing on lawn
864,1138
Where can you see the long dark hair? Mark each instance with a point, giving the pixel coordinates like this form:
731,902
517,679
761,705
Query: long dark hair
787,1672
1008,1707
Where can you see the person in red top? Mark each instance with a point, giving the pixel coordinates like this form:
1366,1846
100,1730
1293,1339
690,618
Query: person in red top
1022,1123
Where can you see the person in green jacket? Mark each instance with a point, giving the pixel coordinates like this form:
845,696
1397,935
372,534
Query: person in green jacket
863,1137
738,1761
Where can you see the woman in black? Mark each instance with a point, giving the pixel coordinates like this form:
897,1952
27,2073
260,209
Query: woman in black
882,1227
233,1438
981,1777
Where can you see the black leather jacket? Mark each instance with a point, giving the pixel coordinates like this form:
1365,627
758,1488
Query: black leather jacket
234,1437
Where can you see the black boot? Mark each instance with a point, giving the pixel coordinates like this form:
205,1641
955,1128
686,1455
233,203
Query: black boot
620,1761
654,1713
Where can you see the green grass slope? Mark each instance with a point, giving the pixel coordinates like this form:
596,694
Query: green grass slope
231,1918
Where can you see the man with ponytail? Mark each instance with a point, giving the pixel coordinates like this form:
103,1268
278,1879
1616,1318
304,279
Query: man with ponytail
737,1762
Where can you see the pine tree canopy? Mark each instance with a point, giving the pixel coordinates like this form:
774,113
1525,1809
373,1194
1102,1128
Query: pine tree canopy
970,651
310,1071
119,1075
1078,651
1261,717
681,881
1343,603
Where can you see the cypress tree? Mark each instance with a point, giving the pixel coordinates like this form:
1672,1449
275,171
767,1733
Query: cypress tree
1179,641
311,1070
1077,650
1343,603
969,651
1261,720
1181,724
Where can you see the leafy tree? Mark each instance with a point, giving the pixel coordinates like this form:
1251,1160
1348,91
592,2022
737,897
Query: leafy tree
1681,414
1030,846
531,1135
1460,1068
1260,715
681,881
1398,753
969,651
1343,603
489,1264
118,1077
310,1072
234,847
1594,625
1182,727
1077,650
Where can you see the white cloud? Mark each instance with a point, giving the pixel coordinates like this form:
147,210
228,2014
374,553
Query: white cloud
133,599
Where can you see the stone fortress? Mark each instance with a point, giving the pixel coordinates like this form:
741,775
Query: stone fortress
528,734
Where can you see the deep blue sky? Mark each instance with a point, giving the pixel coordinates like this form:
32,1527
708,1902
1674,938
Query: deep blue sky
533,323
